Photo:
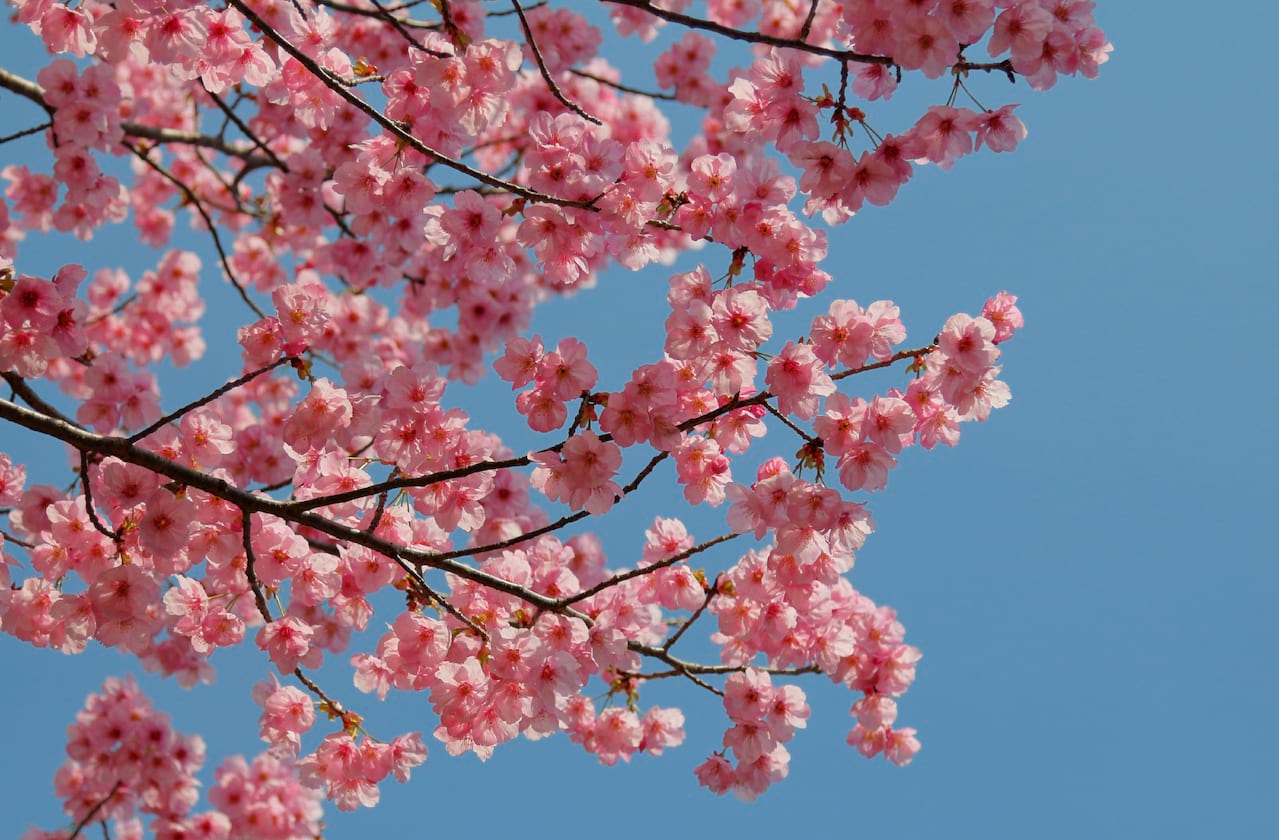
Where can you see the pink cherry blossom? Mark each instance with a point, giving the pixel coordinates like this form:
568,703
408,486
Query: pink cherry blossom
386,206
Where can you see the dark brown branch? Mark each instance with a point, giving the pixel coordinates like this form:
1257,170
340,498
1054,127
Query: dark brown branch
507,12
405,557
409,37
409,559
31,398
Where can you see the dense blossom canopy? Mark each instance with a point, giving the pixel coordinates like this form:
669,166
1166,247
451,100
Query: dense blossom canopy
389,191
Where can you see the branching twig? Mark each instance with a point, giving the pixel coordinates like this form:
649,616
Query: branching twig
692,22
391,126
88,818
399,26
245,130
737,402
198,204
34,92
407,558
750,37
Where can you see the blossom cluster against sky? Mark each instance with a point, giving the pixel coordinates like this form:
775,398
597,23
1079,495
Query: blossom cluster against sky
1089,575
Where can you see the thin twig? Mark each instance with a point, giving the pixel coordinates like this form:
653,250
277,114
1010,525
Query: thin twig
808,21
16,541
334,706
208,398
711,592
896,357
245,130
794,428
546,74
748,36
398,26
246,536
26,131
670,97
441,602
114,536
557,524
622,577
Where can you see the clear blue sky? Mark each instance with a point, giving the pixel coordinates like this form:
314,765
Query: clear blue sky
1091,574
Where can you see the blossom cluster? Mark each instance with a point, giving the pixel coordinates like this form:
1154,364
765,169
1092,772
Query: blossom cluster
391,193
764,718
125,761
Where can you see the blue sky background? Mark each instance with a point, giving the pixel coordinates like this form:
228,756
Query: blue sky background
1090,575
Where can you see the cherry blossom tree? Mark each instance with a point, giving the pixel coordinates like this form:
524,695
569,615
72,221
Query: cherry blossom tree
387,191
